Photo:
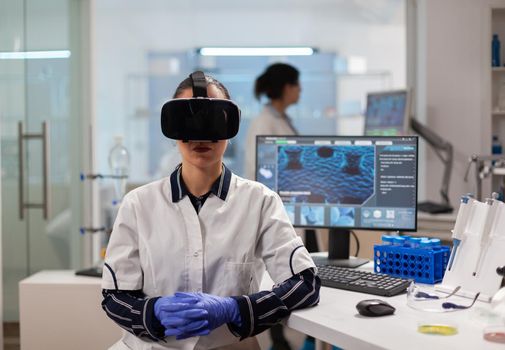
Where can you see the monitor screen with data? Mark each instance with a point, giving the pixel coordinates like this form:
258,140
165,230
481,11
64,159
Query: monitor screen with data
342,182
387,113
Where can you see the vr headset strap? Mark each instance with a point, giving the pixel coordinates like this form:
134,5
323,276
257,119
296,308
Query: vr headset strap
199,84
199,87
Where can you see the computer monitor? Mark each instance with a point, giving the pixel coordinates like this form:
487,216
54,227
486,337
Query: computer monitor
387,113
342,183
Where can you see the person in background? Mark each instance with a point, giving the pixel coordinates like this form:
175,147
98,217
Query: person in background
180,267
281,85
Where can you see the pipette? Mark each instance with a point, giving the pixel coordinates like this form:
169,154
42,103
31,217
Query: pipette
485,237
458,233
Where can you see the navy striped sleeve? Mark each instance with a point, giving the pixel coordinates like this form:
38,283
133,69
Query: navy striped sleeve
133,312
264,309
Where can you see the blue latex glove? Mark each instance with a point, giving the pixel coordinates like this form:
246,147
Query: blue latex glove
170,304
179,317
218,310
191,329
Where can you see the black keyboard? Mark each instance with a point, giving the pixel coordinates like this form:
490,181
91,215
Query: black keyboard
361,281
91,272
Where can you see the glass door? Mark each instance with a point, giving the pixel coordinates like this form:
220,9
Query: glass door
40,136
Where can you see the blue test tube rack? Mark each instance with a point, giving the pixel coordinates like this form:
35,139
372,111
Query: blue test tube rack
423,265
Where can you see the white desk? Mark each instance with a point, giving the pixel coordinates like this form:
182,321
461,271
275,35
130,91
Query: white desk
336,321
50,318
58,310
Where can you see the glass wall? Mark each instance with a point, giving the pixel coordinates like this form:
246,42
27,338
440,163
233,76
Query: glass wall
41,143
144,50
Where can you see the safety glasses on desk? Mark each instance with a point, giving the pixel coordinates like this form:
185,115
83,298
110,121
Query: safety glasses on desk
420,299
420,295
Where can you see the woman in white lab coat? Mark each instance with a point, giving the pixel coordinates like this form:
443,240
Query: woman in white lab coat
280,84
201,231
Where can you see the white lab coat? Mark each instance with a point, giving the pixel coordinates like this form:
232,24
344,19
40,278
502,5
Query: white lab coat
162,247
268,122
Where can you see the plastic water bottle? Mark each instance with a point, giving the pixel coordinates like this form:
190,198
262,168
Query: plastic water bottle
119,162
496,146
495,51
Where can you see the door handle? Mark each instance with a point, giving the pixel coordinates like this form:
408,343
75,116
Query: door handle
21,153
44,137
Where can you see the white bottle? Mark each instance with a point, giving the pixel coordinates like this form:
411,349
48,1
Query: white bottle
119,162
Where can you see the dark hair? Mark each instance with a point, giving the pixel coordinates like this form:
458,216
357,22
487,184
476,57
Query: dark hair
187,84
272,81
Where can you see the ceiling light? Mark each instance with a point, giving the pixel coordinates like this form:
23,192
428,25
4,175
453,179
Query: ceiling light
21,55
256,51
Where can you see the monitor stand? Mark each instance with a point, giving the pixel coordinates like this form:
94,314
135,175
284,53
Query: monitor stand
338,251
434,208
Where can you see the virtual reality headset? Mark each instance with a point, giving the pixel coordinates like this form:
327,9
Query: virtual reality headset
200,118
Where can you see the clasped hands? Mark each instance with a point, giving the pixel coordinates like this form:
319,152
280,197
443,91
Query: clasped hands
187,315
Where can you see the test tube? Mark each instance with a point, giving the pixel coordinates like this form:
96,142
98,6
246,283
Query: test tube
435,242
399,241
414,242
387,240
425,243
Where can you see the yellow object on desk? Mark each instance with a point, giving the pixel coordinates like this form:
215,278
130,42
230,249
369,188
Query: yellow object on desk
439,329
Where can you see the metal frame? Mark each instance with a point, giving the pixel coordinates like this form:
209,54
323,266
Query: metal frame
44,137
495,166
439,145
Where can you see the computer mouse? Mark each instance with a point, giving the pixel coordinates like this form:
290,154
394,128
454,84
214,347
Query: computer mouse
374,308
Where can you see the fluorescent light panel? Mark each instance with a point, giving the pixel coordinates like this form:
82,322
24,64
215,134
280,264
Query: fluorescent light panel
22,55
256,51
